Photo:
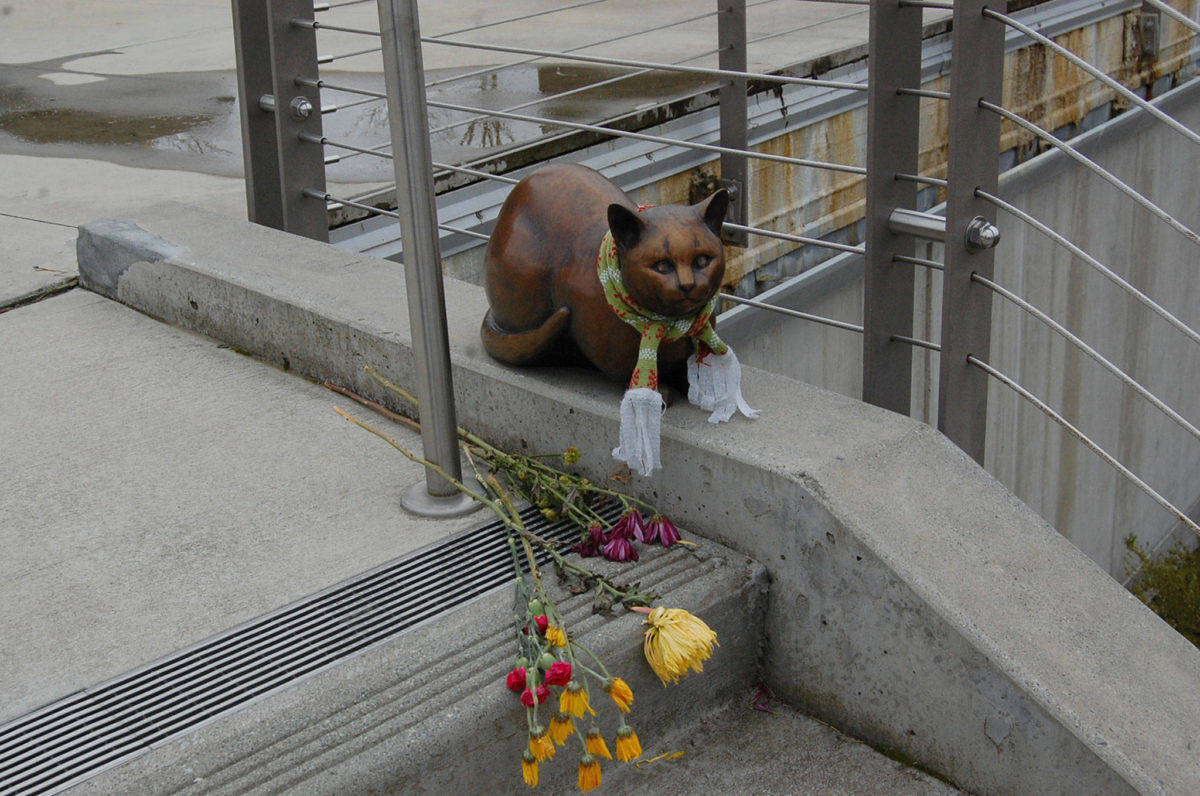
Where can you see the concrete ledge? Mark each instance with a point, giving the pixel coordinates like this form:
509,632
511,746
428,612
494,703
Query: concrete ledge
915,603
427,712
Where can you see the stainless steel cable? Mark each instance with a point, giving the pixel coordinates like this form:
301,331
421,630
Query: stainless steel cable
520,18
1095,167
696,70
1175,14
1075,340
805,316
328,198
328,59
559,95
1086,440
770,233
903,338
655,139
904,258
475,173
934,4
917,178
316,83
1171,122
1107,272
312,24
924,92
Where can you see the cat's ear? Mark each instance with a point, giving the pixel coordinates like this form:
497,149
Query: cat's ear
713,210
626,225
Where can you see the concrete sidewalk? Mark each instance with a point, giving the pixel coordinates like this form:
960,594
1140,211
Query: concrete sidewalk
160,488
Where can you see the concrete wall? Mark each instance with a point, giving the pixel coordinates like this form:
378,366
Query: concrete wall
1073,489
914,601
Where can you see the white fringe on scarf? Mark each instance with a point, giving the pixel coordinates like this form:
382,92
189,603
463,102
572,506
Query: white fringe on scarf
641,429
715,385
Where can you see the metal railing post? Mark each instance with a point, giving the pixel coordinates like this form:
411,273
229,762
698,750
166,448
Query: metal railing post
260,153
731,39
974,161
409,122
893,128
297,109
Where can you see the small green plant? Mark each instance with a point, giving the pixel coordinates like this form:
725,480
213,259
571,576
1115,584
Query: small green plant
1169,583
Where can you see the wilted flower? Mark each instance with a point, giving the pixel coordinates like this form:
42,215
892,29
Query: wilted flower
574,700
629,748
529,769
589,773
592,543
559,673
620,692
596,745
528,699
571,455
630,525
619,548
676,641
540,745
561,728
543,693
516,679
542,622
557,637
662,530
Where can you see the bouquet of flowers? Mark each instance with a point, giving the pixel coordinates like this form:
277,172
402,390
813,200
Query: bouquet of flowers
551,667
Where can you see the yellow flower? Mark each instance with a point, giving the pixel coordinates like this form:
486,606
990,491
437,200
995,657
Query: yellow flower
540,745
620,692
571,455
676,641
574,700
629,748
589,773
529,769
596,745
561,728
556,636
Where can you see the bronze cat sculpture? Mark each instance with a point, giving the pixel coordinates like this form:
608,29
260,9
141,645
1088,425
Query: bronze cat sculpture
548,302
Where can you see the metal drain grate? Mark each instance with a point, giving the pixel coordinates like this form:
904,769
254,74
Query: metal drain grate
68,740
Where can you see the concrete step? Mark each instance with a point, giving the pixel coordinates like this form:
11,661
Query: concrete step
772,750
427,711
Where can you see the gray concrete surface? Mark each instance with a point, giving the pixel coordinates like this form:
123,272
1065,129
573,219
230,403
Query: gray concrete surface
159,488
741,750
427,712
915,602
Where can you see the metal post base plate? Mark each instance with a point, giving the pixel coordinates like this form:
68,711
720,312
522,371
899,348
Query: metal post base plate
417,500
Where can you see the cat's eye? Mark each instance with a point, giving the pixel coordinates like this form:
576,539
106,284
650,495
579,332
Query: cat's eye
701,262
663,266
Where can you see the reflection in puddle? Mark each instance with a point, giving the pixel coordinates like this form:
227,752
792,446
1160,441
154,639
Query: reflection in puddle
59,125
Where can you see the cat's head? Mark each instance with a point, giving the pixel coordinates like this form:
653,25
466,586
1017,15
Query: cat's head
672,260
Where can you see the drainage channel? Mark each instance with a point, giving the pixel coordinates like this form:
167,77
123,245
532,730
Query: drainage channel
69,740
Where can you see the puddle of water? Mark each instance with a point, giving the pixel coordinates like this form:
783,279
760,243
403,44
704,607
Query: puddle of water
67,125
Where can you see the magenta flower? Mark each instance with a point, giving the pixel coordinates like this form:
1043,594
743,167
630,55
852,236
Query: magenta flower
662,530
630,525
619,548
595,540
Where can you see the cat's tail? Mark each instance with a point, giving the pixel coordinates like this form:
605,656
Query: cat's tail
521,348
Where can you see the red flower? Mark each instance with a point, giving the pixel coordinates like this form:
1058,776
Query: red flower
663,530
543,693
542,622
591,545
559,673
527,698
619,549
630,525
516,679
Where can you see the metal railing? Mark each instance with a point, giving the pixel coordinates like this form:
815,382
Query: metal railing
286,153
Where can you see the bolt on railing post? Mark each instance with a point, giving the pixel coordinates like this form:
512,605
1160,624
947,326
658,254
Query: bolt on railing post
260,152
974,161
296,108
893,129
409,122
731,39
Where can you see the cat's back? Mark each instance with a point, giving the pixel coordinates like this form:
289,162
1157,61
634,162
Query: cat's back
549,230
